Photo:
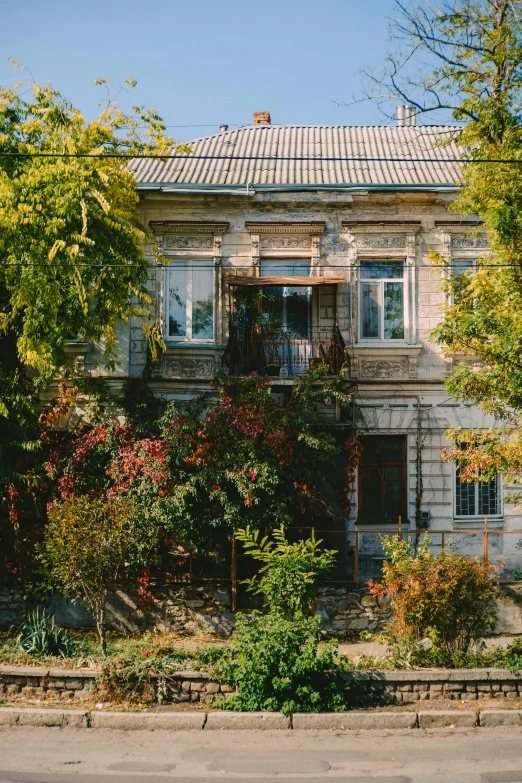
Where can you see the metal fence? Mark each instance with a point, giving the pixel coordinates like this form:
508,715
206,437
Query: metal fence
360,556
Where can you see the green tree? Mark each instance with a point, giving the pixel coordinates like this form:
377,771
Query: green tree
93,546
73,260
464,57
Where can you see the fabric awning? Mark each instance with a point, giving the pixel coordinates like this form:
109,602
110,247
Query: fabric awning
280,280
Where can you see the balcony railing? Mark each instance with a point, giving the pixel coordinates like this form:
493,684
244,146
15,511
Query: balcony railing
281,352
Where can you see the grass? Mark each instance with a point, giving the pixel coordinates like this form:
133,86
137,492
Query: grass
119,647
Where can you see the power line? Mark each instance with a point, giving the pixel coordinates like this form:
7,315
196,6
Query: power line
175,264
288,158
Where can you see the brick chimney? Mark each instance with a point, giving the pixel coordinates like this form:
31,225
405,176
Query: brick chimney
262,118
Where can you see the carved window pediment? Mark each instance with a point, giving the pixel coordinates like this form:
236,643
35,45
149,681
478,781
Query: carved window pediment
189,236
286,240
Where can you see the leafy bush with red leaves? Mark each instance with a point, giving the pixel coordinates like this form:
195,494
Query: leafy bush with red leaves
205,471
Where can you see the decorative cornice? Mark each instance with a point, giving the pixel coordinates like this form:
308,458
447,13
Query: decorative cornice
310,229
455,224
373,226
187,227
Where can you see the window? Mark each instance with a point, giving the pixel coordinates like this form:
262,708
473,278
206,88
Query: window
382,479
477,500
381,297
190,301
460,268
288,306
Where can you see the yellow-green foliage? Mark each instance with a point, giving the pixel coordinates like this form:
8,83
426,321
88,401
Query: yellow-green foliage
93,546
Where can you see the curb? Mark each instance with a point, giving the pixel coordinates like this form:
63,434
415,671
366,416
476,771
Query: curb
221,720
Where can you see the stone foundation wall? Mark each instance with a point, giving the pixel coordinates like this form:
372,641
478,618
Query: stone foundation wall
345,611
188,609
375,688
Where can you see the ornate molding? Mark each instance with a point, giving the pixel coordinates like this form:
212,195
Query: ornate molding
288,240
469,242
186,236
187,243
383,368
189,368
285,242
381,242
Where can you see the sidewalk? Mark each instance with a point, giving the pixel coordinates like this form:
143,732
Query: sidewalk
376,650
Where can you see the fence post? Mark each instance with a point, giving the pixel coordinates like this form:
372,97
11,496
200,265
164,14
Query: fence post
356,559
400,529
442,541
486,542
233,575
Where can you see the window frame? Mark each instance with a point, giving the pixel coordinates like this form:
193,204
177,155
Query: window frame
476,486
381,465
188,265
264,266
381,281
472,263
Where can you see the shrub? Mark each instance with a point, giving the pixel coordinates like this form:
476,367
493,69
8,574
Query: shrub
93,546
276,665
448,598
288,579
39,636
275,660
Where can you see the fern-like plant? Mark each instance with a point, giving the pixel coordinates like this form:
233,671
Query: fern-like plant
290,573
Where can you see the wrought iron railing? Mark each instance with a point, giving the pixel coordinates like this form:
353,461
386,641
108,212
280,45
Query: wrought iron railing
282,351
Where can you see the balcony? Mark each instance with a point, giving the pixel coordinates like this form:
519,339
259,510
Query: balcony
272,330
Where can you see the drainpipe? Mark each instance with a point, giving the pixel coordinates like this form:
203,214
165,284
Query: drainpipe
418,488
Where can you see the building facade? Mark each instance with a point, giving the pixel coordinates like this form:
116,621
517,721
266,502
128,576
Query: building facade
289,246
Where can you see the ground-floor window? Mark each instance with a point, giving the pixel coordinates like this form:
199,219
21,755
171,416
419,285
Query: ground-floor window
482,499
382,479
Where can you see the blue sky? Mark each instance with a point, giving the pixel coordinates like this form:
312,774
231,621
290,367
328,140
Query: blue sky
204,62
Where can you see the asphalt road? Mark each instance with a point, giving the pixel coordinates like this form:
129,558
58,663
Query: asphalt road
46,755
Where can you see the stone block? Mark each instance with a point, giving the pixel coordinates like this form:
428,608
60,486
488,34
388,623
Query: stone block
35,717
77,719
500,718
355,721
447,719
8,716
147,720
221,720
212,687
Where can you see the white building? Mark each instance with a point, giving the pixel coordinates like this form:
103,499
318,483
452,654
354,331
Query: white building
344,218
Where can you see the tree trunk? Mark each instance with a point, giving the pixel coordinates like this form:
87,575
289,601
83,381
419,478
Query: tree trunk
100,625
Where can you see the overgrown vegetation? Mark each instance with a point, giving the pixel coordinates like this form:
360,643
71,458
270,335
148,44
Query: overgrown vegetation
274,661
446,601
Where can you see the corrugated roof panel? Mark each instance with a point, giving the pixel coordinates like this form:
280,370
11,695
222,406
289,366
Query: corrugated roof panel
315,144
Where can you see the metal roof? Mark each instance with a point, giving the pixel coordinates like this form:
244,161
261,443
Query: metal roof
320,145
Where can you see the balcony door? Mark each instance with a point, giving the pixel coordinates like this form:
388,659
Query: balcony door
287,317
